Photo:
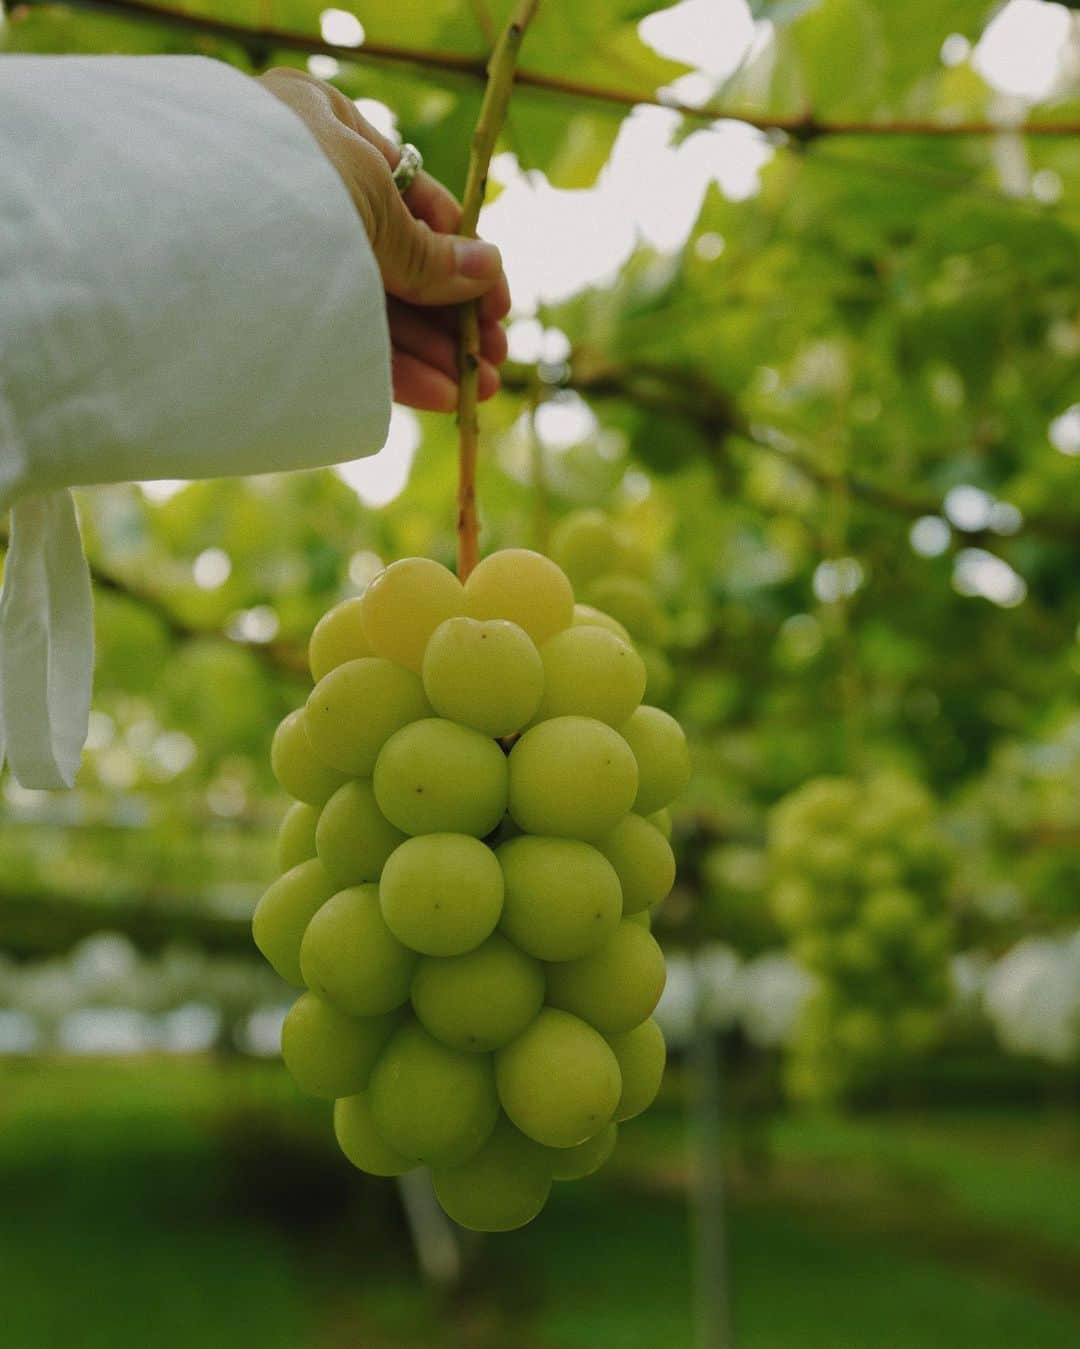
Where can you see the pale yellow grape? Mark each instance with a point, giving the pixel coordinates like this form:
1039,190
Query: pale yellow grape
353,837
404,605
662,754
589,672
432,1103
586,545
330,1054
581,1161
573,777
641,1053
361,1142
297,767
351,957
662,820
562,896
437,777
643,862
486,674
559,1080
354,710
586,616
632,602
504,1186
642,919
524,587
659,676
442,894
282,916
480,1000
615,987
337,637
632,557
296,837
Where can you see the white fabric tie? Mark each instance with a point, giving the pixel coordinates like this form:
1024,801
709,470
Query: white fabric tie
46,643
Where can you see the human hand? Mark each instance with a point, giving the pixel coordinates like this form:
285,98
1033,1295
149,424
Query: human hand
427,269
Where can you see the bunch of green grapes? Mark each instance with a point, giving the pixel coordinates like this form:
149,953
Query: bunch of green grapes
478,839
859,873
613,574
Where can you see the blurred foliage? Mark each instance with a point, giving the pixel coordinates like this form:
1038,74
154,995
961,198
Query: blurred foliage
827,417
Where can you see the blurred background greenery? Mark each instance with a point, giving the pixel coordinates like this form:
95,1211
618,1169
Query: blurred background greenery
826,378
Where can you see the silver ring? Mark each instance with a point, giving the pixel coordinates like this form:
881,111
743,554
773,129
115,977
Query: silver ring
408,166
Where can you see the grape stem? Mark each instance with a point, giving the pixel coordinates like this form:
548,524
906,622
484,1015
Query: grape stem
500,84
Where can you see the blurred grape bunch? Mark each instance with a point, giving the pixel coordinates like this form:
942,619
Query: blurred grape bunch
734,881
1020,823
612,573
859,872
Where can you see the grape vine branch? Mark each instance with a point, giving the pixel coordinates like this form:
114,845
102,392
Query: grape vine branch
493,109
261,42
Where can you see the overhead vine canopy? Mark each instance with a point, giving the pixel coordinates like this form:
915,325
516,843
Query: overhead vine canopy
840,398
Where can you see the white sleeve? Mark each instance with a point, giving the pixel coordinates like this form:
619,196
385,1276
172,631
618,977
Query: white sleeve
185,291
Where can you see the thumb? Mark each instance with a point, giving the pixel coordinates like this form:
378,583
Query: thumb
423,267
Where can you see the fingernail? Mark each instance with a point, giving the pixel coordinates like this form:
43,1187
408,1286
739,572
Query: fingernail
477,260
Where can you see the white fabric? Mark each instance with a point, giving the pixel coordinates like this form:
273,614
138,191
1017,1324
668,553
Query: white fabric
185,291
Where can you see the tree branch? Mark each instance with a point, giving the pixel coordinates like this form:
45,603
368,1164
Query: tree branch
685,393
259,41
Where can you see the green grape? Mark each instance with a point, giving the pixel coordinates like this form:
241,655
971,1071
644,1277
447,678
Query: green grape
585,616
641,1053
659,676
615,987
296,766
891,914
917,1029
643,862
327,1053
662,820
284,912
359,1140
641,919
296,837
351,957
632,557
353,837
502,1187
404,605
524,587
354,710
586,545
562,896
589,672
663,757
573,777
336,638
631,601
442,894
431,1103
861,1033
481,1000
487,675
578,1162
435,777
559,1080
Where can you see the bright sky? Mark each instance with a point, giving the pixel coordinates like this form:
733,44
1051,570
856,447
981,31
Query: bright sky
555,243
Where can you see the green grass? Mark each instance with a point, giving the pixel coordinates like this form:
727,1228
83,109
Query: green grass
1013,1169
183,1205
